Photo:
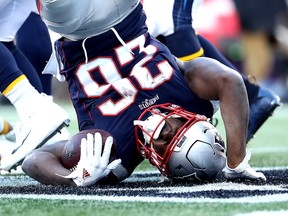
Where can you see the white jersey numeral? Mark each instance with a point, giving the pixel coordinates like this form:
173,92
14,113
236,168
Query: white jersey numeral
123,86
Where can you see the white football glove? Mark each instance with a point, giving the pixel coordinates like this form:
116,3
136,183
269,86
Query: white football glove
92,166
243,171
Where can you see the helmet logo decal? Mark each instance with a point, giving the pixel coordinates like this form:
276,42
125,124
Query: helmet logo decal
179,167
180,143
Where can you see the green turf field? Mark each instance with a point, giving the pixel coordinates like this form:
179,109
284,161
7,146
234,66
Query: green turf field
269,149
17,207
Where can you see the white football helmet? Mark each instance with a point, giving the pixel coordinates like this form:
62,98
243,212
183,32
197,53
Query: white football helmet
196,152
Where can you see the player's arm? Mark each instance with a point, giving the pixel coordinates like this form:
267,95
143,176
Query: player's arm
43,163
211,80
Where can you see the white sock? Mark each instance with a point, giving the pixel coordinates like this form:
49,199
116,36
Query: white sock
25,98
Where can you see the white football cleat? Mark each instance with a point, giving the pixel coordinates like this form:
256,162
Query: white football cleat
38,128
61,135
6,147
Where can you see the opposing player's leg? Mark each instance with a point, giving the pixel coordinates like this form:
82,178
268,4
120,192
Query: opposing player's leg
34,41
40,117
24,65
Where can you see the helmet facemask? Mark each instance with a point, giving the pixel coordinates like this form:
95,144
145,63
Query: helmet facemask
178,147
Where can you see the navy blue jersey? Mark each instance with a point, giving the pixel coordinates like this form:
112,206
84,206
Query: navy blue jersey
119,82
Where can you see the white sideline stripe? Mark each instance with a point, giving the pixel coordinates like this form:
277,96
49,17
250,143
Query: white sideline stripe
271,168
224,186
250,199
163,191
269,150
265,213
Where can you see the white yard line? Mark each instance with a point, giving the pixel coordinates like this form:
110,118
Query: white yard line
167,194
250,199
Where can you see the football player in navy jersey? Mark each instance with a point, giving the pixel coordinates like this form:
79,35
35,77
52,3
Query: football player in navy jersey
115,69
175,29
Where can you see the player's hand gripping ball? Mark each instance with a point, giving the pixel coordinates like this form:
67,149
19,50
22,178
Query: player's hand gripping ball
71,152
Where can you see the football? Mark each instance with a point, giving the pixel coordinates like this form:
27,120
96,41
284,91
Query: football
71,152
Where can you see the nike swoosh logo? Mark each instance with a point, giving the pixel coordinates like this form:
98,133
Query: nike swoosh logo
16,149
